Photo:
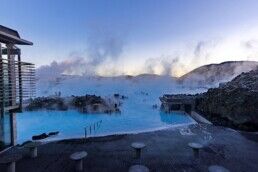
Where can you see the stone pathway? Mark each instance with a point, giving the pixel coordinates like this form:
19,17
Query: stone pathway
166,150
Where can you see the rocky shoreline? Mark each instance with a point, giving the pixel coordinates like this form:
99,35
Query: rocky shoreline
84,104
233,104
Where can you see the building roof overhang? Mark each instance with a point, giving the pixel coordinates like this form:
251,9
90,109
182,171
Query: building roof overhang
10,36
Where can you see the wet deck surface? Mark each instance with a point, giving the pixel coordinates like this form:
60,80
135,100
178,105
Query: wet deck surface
166,150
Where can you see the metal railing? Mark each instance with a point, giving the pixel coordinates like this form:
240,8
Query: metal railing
17,82
90,129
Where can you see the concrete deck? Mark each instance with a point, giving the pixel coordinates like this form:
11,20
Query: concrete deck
166,150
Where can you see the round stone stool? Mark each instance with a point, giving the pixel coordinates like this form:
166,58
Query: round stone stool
138,168
33,148
138,146
78,157
10,160
217,168
196,148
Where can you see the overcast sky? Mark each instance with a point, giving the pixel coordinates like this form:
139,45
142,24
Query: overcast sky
112,37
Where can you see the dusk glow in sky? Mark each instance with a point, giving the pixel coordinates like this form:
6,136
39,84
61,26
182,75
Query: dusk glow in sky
114,37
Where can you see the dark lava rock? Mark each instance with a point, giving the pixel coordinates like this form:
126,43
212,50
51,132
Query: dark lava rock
53,133
116,95
124,97
39,137
94,104
47,103
82,101
44,135
233,104
85,104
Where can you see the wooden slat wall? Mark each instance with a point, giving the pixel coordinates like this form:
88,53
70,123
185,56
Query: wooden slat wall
21,81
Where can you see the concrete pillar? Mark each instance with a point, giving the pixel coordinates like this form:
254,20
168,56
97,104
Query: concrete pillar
12,92
11,167
1,83
12,78
1,99
1,127
20,80
33,152
13,129
79,165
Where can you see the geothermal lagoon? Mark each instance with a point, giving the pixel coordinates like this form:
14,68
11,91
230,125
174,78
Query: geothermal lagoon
137,111
71,124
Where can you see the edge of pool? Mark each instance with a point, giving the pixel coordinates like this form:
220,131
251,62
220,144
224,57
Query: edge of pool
193,120
49,140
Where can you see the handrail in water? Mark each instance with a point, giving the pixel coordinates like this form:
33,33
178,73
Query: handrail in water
92,126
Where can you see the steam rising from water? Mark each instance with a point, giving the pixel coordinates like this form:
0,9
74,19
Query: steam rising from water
163,65
105,55
103,46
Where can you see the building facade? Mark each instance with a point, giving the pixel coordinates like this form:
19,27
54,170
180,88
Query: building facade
17,83
180,102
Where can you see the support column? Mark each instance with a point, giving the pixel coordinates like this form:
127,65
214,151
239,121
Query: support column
12,91
1,98
20,79
12,78
1,83
13,128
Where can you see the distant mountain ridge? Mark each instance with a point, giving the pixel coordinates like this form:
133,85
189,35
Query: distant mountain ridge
205,76
216,73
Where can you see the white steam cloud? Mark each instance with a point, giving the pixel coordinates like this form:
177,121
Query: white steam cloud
105,49
102,47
